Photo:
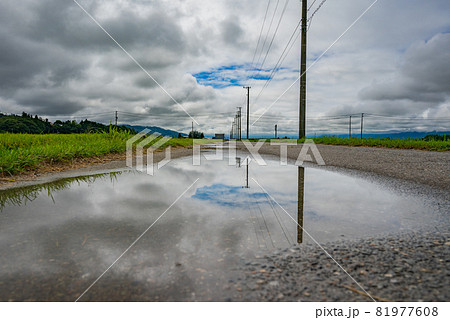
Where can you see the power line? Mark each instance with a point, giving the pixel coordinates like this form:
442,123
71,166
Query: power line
267,35
273,37
260,34
405,118
280,60
311,5
317,9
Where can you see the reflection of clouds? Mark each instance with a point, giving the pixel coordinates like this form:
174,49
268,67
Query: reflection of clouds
228,196
83,228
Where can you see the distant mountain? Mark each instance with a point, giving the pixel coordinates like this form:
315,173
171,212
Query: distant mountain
355,134
161,131
391,135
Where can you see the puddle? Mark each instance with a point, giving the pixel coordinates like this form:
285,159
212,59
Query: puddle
57,238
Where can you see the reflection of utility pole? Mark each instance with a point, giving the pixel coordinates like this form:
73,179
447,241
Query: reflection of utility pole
248,107
301,188
302,111
246,179
192,130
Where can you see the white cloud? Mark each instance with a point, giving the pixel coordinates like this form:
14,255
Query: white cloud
57,63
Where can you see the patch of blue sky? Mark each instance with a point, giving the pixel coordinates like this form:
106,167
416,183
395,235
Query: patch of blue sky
233,75
260,77
226,195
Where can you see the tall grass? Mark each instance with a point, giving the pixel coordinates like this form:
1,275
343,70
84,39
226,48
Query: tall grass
24,152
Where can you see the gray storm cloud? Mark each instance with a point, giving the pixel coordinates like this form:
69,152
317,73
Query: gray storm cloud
57,63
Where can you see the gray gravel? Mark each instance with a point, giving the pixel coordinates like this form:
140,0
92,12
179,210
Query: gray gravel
407,267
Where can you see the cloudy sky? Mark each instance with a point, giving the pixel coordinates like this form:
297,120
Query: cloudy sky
55,61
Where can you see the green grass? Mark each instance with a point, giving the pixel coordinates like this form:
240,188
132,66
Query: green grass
25,152
419,144
19,196
428,144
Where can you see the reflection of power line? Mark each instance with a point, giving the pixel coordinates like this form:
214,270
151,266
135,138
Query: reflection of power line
280,223
265,222
257,221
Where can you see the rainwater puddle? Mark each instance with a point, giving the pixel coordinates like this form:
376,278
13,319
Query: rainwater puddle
57,238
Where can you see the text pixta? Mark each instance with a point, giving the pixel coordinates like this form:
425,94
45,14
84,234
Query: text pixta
336,312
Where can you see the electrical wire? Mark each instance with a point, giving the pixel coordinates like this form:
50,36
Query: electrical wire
273,38
280,61
260,34
317,9
267,35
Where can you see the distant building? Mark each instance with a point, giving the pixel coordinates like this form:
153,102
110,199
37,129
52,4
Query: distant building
219,136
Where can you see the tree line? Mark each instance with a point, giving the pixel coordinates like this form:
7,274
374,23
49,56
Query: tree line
27,123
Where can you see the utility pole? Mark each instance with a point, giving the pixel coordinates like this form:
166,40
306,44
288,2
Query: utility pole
117,117
276,127
362,121
192,130
248,107
239,123
350,127
302,108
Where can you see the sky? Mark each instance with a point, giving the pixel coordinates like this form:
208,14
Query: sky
175,62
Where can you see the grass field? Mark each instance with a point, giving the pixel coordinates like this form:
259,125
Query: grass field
418,144
20,153
431,145
24,152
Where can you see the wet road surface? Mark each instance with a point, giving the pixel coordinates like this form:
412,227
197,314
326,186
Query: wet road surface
58,238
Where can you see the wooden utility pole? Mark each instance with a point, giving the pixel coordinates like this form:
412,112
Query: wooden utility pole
240,123
350,127
276,127
362,121
302,111
248,107
117,117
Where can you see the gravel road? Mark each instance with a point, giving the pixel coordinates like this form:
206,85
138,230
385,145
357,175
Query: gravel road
406,267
